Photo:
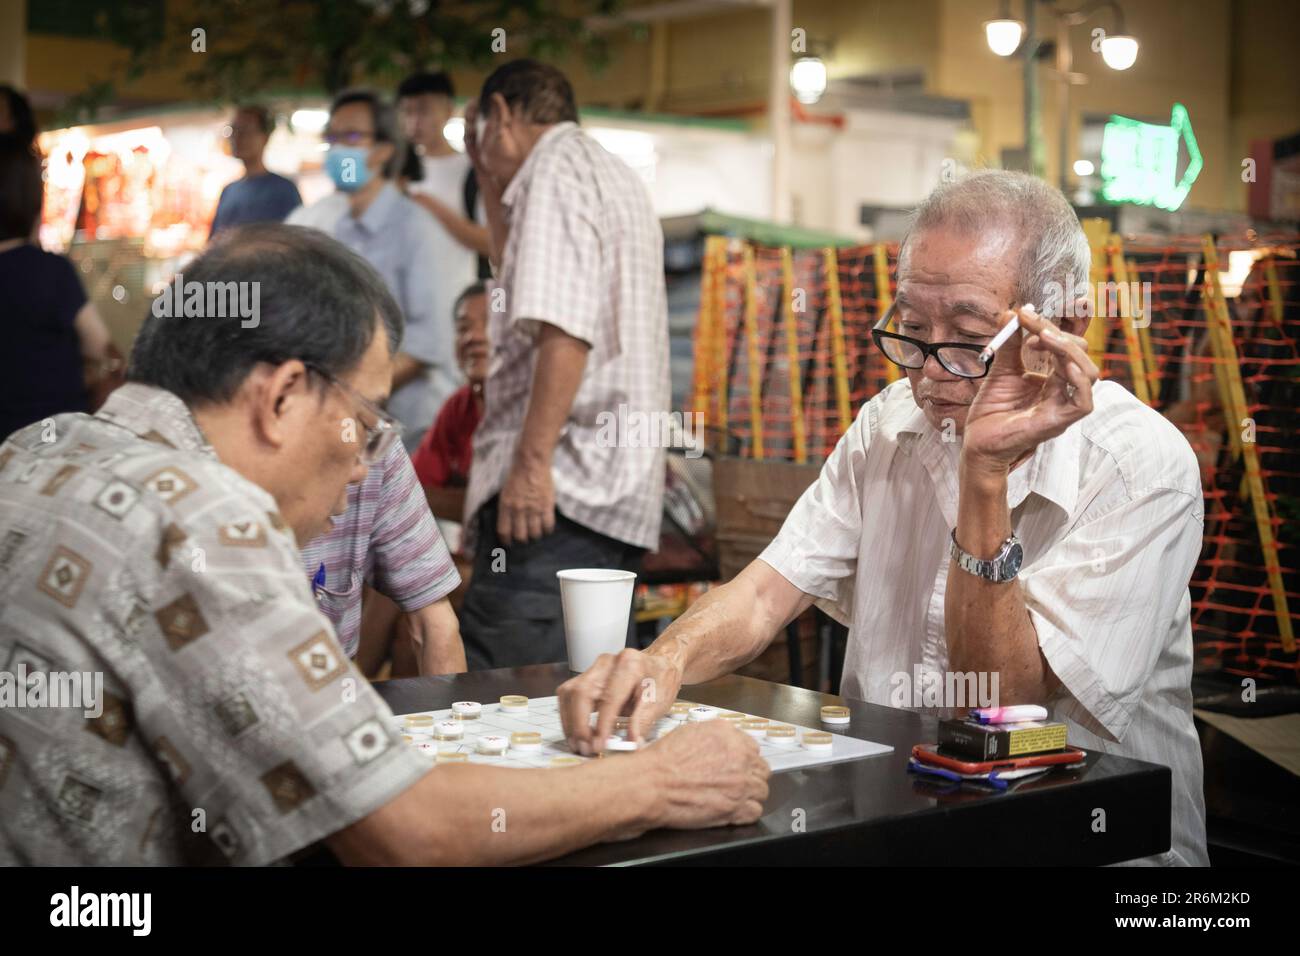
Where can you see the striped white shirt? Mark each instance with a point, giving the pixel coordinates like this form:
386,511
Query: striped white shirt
585,254
1110,514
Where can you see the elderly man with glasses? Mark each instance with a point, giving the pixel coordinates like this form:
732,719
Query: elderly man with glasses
979,517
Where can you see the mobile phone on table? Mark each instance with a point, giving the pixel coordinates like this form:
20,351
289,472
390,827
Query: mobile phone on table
929,753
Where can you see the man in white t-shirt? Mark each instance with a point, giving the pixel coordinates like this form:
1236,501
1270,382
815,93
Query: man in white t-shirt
439,177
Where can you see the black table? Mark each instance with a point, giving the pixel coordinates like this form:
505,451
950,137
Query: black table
869,811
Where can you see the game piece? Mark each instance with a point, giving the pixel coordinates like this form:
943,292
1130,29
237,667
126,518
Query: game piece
702,713
448,730
732,718
680,711
755,726
493,745
566,760
467,710
818,741
444,757
514,704
620,744
418,724
622,723
782,735
526,741
666,727
834,714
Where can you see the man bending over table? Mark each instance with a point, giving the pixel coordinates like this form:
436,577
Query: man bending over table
154,545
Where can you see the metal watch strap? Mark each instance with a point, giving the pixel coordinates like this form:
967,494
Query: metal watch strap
990,569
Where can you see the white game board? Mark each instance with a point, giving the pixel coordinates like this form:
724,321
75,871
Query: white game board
543,716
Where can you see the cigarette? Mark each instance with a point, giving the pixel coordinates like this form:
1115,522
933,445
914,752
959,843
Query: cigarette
1003,334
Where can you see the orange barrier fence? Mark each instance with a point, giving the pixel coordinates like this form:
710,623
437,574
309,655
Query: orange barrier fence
784,360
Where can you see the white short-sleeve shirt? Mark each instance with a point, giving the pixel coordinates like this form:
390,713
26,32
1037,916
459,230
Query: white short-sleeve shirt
1110,514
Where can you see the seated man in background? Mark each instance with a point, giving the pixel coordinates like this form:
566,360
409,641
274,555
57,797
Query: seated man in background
442,461
913,533
152,547
443,457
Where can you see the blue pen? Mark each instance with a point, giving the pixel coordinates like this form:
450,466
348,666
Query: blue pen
996,782
318,580
917,766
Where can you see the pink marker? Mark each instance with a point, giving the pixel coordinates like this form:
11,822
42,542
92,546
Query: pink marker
1008,715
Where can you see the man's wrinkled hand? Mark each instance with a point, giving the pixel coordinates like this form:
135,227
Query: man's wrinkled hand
631,683
526,506
1015,409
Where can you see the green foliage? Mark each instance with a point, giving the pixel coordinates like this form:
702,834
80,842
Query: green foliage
256,46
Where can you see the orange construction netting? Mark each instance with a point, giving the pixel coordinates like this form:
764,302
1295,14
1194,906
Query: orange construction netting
784,360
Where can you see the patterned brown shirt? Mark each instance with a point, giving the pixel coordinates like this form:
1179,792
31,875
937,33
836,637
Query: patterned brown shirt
233,727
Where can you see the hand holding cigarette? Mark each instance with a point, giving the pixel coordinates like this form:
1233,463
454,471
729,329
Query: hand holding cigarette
1019,407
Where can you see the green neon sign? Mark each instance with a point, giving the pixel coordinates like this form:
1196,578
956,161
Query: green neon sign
1139,161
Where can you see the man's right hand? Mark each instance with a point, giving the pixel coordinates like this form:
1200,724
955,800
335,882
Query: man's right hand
633,683
707,775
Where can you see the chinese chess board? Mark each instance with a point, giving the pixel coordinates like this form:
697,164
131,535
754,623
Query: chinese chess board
540,716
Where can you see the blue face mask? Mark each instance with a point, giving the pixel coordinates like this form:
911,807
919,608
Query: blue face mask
346,166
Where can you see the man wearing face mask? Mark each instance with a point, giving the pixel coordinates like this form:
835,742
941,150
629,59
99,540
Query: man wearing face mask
369,215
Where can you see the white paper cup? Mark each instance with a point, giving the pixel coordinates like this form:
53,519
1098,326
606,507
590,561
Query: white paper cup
597,604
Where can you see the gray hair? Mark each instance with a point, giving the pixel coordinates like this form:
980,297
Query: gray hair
1055,250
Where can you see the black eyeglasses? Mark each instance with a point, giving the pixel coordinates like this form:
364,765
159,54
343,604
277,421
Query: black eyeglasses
380,436
959,358
350,138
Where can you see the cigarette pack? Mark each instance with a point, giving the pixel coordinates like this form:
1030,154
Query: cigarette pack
967,738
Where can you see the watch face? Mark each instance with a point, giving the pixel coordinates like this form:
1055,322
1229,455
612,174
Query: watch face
1015,555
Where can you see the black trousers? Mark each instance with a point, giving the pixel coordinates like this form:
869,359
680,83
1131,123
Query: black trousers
511,614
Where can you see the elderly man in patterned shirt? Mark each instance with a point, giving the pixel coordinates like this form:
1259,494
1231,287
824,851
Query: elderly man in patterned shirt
578,323
981,518
151,549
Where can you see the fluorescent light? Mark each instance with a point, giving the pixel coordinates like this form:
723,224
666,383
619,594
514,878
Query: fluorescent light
808,79
454,133
1083,167
1119,52
309,121
634,147
1004,35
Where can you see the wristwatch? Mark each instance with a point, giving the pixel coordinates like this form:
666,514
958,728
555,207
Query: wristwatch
999,569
